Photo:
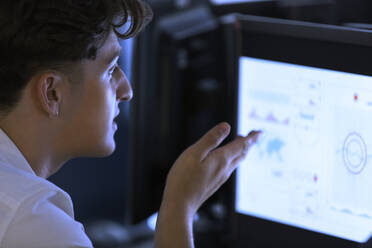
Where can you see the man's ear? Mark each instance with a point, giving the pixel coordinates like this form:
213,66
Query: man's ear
49,88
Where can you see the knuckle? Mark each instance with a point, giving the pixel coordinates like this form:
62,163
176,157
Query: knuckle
223,159
245,148
221,166
220,172
246,145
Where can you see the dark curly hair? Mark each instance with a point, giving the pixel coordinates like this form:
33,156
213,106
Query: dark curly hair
37,34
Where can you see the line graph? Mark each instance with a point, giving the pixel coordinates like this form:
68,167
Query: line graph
269,117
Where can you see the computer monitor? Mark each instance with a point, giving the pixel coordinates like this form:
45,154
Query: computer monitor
308,181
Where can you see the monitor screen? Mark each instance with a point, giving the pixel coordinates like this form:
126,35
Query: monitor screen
311,169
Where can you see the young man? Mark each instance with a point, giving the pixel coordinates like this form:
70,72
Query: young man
60,87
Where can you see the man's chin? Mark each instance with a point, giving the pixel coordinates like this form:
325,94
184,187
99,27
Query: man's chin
103,150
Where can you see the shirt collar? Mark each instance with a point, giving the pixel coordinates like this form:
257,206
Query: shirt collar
11,155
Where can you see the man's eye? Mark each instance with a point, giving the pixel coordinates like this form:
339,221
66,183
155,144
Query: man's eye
112,70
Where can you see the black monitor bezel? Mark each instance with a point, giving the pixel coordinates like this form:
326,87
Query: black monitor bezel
341,49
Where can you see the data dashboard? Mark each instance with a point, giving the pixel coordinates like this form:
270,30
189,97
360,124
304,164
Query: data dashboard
312,167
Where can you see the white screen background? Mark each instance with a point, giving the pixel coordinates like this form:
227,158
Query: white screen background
312,167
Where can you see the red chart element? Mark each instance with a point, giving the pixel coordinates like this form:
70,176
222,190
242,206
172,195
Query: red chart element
315,178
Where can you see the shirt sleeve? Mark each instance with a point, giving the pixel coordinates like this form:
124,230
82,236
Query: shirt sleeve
39,222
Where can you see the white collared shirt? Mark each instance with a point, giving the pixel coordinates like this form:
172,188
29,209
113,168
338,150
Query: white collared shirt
34,213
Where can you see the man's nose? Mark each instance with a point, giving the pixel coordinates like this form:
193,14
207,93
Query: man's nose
124,92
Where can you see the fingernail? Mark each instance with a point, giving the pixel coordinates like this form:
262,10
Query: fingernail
224,128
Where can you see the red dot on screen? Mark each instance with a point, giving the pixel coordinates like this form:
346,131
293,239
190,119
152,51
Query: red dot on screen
356,97
316,178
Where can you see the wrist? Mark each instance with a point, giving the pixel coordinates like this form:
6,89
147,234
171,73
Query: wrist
174,226
180,210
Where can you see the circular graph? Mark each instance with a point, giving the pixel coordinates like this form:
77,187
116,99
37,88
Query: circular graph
355,153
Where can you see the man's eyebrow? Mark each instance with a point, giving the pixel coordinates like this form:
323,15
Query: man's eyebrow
115,54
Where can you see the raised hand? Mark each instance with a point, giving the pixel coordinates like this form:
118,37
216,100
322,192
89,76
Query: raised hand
195,176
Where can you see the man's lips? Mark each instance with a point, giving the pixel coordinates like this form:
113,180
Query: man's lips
116,117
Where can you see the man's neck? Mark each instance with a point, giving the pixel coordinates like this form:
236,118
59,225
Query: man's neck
35,143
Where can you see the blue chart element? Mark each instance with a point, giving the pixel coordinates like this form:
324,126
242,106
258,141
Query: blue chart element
273,148
307,117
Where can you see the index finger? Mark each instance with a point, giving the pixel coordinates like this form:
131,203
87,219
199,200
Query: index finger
238,147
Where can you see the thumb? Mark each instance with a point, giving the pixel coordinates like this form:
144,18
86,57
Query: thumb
212,139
